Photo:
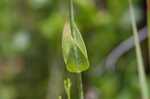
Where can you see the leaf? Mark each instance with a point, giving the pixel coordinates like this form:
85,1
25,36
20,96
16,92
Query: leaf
74,50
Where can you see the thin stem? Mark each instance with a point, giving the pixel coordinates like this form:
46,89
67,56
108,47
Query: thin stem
79,76
81,96
148,22
142,76
71,13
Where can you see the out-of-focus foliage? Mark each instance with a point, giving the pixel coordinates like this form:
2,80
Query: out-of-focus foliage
31,63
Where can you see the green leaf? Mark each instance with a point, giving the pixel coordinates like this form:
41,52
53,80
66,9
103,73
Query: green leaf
74,50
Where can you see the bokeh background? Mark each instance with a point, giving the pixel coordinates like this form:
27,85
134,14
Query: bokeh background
31,63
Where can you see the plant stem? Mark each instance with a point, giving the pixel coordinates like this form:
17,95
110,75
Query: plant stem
71,14
79,76
148,23
142,76
81,96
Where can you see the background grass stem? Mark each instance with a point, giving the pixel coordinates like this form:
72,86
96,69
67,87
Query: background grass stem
141,72
148,23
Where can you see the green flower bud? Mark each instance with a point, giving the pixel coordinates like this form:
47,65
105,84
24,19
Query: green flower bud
74,50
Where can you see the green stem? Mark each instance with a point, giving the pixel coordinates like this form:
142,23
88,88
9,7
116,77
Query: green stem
80,86
141,72
71,14
79,76
148,22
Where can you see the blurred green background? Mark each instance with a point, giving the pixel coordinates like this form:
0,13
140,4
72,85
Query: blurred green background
31,63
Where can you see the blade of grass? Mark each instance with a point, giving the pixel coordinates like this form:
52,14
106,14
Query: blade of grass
141,72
